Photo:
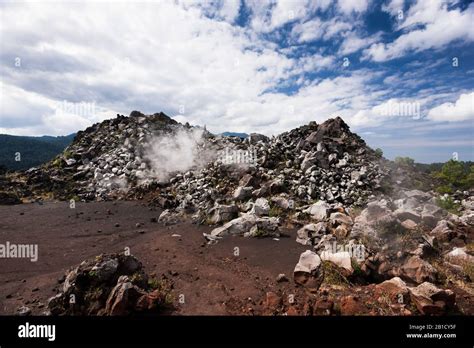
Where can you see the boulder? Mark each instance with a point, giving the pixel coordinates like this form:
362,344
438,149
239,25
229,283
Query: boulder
408,209
431,300
261,207
310,234
109,284
118,301
409,224
242,193
420,196
222,213
105,269
418,270
459,256
444,230
340,219
236,226
168,217
374,217
272,303
307,271
341,259
264,227
318,210
431,214
249,225
395,288
282,203
467,218
248,180
256,137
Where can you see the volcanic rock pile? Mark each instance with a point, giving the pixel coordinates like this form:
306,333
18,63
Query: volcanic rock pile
109,285
103,160
113,159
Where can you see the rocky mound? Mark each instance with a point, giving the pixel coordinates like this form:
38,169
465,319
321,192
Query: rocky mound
110,285
130,156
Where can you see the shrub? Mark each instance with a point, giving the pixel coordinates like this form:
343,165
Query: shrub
444,189
379,152
404,161
448,204
455,175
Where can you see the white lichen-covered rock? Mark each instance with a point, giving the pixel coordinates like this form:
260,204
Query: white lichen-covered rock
459,256
261,207
341,259
308,263
249,225
431,214
311,234
318,210
243,193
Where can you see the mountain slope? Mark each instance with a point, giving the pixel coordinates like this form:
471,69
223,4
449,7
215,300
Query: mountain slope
33,150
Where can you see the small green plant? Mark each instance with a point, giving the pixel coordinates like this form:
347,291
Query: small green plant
67,154
468,269
470,247
260,233
137,278
356,267
332,274
57,163
378,152
448,204
275,211
444,189
155,283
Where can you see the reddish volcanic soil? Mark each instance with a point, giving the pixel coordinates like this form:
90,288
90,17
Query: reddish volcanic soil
213,280
207,275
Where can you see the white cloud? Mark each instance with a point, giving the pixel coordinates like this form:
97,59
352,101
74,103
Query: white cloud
163,56
349,6
462,109
440,26
270,15
389,109
353,43
29,113
219,73
230,9
316,29
393,7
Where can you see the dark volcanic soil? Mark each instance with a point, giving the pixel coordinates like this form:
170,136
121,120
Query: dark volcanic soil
212,278
207,275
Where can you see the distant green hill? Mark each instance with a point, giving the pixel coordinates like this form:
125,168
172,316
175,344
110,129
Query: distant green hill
235,134
33,150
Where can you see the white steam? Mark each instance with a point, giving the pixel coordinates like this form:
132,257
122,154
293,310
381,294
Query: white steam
177,152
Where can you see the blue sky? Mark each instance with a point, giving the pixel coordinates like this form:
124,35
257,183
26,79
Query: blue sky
400,73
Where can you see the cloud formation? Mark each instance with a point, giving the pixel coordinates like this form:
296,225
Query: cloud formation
264,66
